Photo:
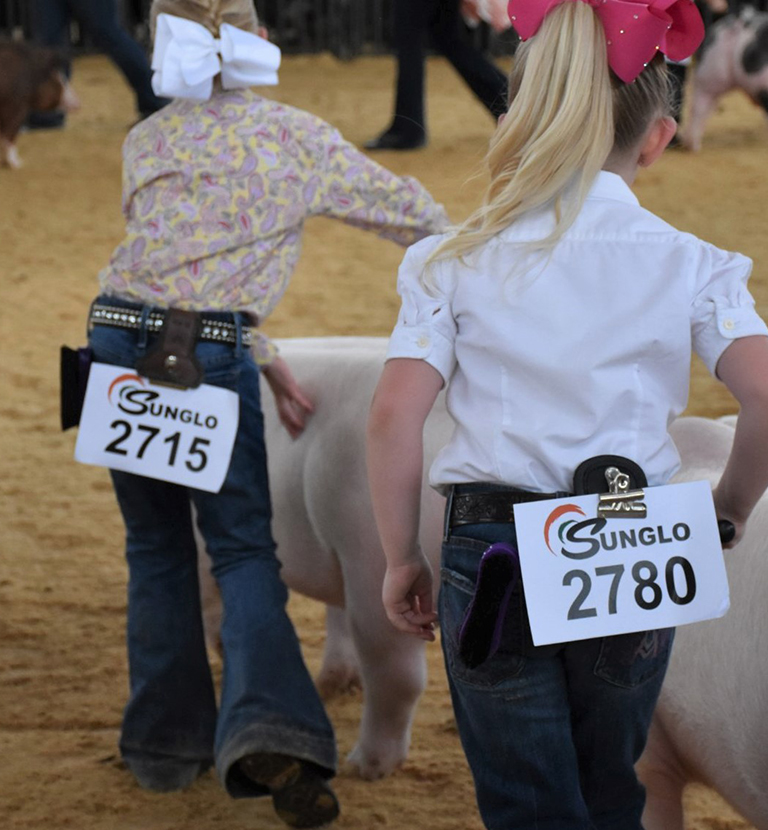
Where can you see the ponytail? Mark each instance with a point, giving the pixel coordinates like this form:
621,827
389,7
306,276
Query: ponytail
560,129
209,13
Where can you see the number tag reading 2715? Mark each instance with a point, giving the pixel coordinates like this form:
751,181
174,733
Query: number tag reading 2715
587,576
184,436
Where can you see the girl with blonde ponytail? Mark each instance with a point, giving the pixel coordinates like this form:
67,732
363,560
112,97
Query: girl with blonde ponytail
560,317
217,188
567,112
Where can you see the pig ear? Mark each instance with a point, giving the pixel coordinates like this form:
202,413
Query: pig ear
658,137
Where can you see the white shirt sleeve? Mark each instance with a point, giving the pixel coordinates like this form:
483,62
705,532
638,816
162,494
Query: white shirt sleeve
723,310
425,328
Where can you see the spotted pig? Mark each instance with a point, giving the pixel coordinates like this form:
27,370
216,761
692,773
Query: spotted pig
734,55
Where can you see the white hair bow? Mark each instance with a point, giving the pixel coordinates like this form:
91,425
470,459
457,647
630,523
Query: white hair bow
187,57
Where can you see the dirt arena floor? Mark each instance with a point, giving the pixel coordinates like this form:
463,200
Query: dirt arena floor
62,662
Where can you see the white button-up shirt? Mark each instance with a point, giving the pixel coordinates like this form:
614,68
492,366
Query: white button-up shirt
587,352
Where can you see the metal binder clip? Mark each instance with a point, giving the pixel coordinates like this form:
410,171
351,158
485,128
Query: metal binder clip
620,502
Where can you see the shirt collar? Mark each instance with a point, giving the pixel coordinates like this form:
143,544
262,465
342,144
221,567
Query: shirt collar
612,186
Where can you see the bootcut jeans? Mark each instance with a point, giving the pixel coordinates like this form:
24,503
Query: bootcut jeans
172,729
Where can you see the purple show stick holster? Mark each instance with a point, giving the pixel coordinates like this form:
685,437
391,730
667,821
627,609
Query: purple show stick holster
481,628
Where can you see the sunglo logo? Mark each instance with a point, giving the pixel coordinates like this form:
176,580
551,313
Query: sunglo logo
581,539
129,394
123,390
558,522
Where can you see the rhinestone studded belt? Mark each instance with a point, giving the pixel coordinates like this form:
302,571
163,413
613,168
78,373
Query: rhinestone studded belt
216,331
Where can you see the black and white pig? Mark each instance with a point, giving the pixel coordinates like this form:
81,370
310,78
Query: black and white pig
734,55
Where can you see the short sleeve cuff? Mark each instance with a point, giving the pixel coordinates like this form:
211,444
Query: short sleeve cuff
732,323
421,342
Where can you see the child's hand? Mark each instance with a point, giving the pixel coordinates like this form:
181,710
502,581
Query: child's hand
407,597
293,406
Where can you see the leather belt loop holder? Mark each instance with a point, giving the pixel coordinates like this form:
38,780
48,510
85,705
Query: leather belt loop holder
171,360
589,476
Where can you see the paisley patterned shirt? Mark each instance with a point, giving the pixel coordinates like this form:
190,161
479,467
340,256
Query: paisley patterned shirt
216,194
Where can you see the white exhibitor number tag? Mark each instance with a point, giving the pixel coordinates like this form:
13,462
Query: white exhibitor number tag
587,576
184,436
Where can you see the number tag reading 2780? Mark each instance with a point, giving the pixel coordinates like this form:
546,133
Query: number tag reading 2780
184,436
587,576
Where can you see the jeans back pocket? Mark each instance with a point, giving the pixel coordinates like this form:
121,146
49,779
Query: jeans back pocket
458,578
628,660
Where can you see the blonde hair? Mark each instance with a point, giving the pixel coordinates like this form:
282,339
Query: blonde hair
567,113
208,13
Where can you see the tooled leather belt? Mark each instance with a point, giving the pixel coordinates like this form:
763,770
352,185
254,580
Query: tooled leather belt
491,505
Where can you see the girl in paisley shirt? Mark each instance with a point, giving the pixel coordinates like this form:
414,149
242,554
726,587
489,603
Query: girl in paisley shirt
216,189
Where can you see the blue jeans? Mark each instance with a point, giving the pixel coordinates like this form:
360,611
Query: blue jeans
99,18
551,733
171,729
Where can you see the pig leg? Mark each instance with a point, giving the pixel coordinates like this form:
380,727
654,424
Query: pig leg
9,155
664,780
393,668
340,671
701,109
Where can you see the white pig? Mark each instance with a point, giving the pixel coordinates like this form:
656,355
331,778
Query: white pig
709,725
328,544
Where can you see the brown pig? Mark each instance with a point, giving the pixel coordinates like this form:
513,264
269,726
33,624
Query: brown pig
31,78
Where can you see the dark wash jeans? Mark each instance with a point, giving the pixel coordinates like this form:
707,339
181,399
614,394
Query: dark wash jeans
551,733
100,19
171,729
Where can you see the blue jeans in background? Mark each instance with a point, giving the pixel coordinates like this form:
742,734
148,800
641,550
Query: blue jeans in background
551,733
99,19
171,729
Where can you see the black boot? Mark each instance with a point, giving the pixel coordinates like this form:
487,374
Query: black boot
398,138
300,794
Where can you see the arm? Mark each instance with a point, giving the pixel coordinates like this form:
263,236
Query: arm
352,187
293,406
743,368
403,399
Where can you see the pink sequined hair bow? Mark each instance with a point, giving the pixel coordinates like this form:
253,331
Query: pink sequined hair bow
634,29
